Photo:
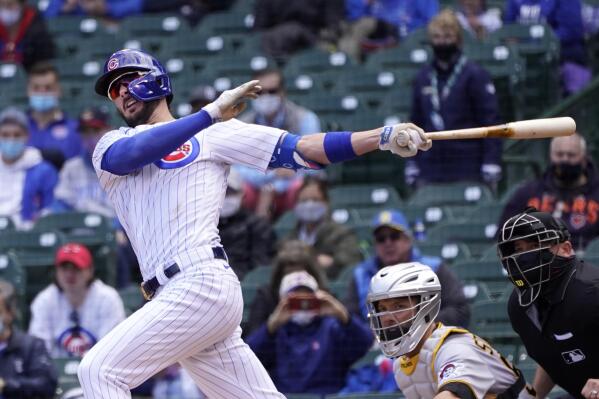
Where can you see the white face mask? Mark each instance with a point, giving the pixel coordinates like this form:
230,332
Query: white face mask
303,317
9,17
231,205
267,104
310,211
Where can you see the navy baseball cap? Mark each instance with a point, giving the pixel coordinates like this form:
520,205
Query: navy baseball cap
391,218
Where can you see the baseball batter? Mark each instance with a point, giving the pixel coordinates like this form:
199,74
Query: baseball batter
433,360
167,180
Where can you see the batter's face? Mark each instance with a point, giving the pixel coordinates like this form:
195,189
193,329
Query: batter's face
133,112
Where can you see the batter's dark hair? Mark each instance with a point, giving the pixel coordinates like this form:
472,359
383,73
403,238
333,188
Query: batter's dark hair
299,256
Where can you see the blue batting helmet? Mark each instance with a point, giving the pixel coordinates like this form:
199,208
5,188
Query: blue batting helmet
152,85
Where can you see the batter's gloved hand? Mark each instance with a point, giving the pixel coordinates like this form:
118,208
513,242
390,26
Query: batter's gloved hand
231,102
404,139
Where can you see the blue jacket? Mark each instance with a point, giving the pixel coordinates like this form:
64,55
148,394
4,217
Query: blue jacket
311,359
38,191
115,8
407,15
455,310
61,134
564,16
470,103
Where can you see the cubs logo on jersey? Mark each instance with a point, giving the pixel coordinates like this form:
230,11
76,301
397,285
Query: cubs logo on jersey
182,156
76,341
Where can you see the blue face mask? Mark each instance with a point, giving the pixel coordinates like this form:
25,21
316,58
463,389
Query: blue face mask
12,149
43,102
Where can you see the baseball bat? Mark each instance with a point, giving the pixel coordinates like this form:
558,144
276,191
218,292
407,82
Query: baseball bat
527,129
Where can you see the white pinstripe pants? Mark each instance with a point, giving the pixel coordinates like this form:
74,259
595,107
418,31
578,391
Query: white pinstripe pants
194,320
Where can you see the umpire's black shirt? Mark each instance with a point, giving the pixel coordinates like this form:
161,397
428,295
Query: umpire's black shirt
563,337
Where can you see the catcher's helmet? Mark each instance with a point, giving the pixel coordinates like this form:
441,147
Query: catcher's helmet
152,84
528,263
399,333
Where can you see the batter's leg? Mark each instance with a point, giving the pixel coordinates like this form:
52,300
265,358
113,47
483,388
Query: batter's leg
191,313
230,370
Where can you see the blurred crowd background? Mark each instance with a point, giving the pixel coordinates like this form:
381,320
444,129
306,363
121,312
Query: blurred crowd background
68,273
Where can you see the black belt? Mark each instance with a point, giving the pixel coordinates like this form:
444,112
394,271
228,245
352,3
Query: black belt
148,288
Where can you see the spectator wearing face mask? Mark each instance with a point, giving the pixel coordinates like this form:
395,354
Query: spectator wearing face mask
24,38
453,93
27,181
272,194
310,340
569,190
336,246
52,131
248,238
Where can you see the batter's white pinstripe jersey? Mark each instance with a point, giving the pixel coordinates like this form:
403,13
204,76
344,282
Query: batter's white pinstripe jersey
174,206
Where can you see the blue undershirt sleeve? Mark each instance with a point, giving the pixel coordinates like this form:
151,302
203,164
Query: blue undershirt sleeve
132,153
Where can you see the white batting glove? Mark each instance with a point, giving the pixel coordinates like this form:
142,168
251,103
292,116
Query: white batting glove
404,139
231,102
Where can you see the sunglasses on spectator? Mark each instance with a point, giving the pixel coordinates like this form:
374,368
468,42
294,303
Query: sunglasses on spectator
382,237
114,89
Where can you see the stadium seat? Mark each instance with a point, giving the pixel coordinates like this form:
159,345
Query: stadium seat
223,23
592,249
6,223
405,57
67,374
12,271
490,321
326,104
449,252
489,272
364,195
93,230
252,281
285,224
459,193
231,65
338,287
476,292
368,359
478,236
64,25
132,298
357,122
156,24
316,61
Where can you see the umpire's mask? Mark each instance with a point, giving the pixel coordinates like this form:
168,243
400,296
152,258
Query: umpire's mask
524,249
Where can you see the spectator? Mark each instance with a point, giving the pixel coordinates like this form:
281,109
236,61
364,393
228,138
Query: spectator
569,190
453,93
27,181
249,239
272,194
403,302
310,341
554,307
51,130
292,256
95,8
24,38
78,187
74,312
291,25
336,246
380,23
565,17
201,96
476,19
26,370
393,243
192,10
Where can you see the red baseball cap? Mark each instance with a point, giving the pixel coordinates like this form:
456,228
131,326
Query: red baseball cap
74,253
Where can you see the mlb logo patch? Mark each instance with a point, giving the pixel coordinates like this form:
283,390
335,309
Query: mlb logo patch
573,356
182,156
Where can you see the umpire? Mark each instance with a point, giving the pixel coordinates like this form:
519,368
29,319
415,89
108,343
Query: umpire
555,305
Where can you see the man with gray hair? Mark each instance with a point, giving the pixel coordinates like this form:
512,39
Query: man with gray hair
27,180
569,190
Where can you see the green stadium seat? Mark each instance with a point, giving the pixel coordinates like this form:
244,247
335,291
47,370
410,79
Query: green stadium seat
285,224
478,236
358,122
64,25
404,57
378,166
338,287
132,298
230,65
157,45
316,60
252,281
364,195
157,24
479,271
100,46
325,104
592,249
476,292
368,359
460,193
80,70
12,271
449,252
67,374
93,230
490,321
223,23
